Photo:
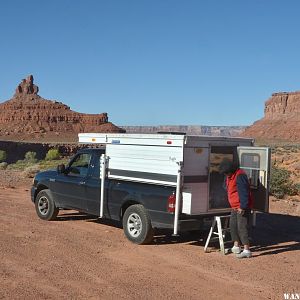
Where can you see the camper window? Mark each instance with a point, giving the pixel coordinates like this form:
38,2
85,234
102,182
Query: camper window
250,163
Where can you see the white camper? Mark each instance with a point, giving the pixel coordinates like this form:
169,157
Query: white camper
189,163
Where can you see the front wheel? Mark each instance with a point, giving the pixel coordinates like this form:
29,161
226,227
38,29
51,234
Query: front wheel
137,225
45,206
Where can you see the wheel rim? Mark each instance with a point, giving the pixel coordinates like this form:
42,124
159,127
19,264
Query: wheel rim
43,205
134,225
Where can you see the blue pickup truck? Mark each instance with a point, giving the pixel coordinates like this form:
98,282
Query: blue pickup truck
150,181
140,207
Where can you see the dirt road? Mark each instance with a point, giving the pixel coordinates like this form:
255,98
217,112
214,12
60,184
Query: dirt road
80,257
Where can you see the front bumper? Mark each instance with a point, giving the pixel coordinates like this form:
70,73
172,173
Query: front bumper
33,193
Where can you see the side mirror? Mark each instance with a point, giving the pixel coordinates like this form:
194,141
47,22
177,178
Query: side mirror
61,169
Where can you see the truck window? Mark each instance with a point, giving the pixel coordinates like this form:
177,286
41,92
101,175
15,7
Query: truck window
96,168
80,165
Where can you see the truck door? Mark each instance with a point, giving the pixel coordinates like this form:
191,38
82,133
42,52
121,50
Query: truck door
69,188
255,161
93,186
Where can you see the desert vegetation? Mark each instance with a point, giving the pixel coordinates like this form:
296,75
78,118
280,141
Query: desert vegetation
52,154
285,172
3,157
30,165
281,183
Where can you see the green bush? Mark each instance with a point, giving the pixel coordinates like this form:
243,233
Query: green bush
3,165
281,183
19,165
30,157
3,155
52,154
297,187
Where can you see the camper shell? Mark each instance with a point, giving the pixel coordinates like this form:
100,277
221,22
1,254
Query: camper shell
189,164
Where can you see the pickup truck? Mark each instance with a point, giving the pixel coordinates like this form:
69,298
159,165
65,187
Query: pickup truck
150,181
140,207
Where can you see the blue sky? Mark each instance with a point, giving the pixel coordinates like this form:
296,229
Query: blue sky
153,62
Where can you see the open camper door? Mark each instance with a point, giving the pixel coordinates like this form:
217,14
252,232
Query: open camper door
255,161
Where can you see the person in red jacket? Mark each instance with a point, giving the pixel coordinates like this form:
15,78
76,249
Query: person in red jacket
240,200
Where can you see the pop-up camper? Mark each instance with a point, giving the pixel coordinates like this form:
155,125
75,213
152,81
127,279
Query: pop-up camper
190,164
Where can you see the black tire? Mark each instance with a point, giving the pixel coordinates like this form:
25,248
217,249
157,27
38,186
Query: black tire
45,206
137,225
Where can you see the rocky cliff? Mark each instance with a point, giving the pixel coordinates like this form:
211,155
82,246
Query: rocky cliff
281,121
28,116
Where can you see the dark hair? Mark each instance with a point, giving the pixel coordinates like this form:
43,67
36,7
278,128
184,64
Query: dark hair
227,166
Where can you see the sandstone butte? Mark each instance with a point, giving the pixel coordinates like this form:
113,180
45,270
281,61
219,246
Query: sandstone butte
281,121
28,116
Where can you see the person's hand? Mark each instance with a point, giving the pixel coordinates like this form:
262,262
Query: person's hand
240,211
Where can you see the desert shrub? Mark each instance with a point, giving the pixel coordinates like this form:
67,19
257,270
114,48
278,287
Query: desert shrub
30,157
30,172
294,149
18,165
21,164
3,155
281,183
52,154
3,165
297,187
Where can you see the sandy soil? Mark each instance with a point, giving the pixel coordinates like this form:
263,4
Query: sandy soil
81,257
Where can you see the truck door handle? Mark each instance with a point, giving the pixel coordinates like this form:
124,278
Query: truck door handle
82,183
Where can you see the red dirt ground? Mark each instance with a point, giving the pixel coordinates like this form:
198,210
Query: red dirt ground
81,257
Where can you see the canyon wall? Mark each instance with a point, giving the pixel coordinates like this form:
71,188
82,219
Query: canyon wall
189,129
281,121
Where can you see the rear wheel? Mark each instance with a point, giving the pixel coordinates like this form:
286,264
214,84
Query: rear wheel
45,206
137,225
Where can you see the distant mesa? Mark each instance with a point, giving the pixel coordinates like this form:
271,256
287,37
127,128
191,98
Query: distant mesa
29,116
227,131
281,121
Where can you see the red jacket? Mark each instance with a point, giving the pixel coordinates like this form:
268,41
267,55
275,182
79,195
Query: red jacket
238,190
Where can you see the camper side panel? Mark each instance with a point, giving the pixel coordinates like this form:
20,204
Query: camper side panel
151,164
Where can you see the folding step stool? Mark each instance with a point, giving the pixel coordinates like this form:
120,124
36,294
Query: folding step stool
220,233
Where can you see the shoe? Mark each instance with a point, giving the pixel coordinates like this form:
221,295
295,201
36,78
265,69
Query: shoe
244,254
236,250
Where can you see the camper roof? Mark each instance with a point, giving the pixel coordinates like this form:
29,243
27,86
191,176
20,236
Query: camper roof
161,139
